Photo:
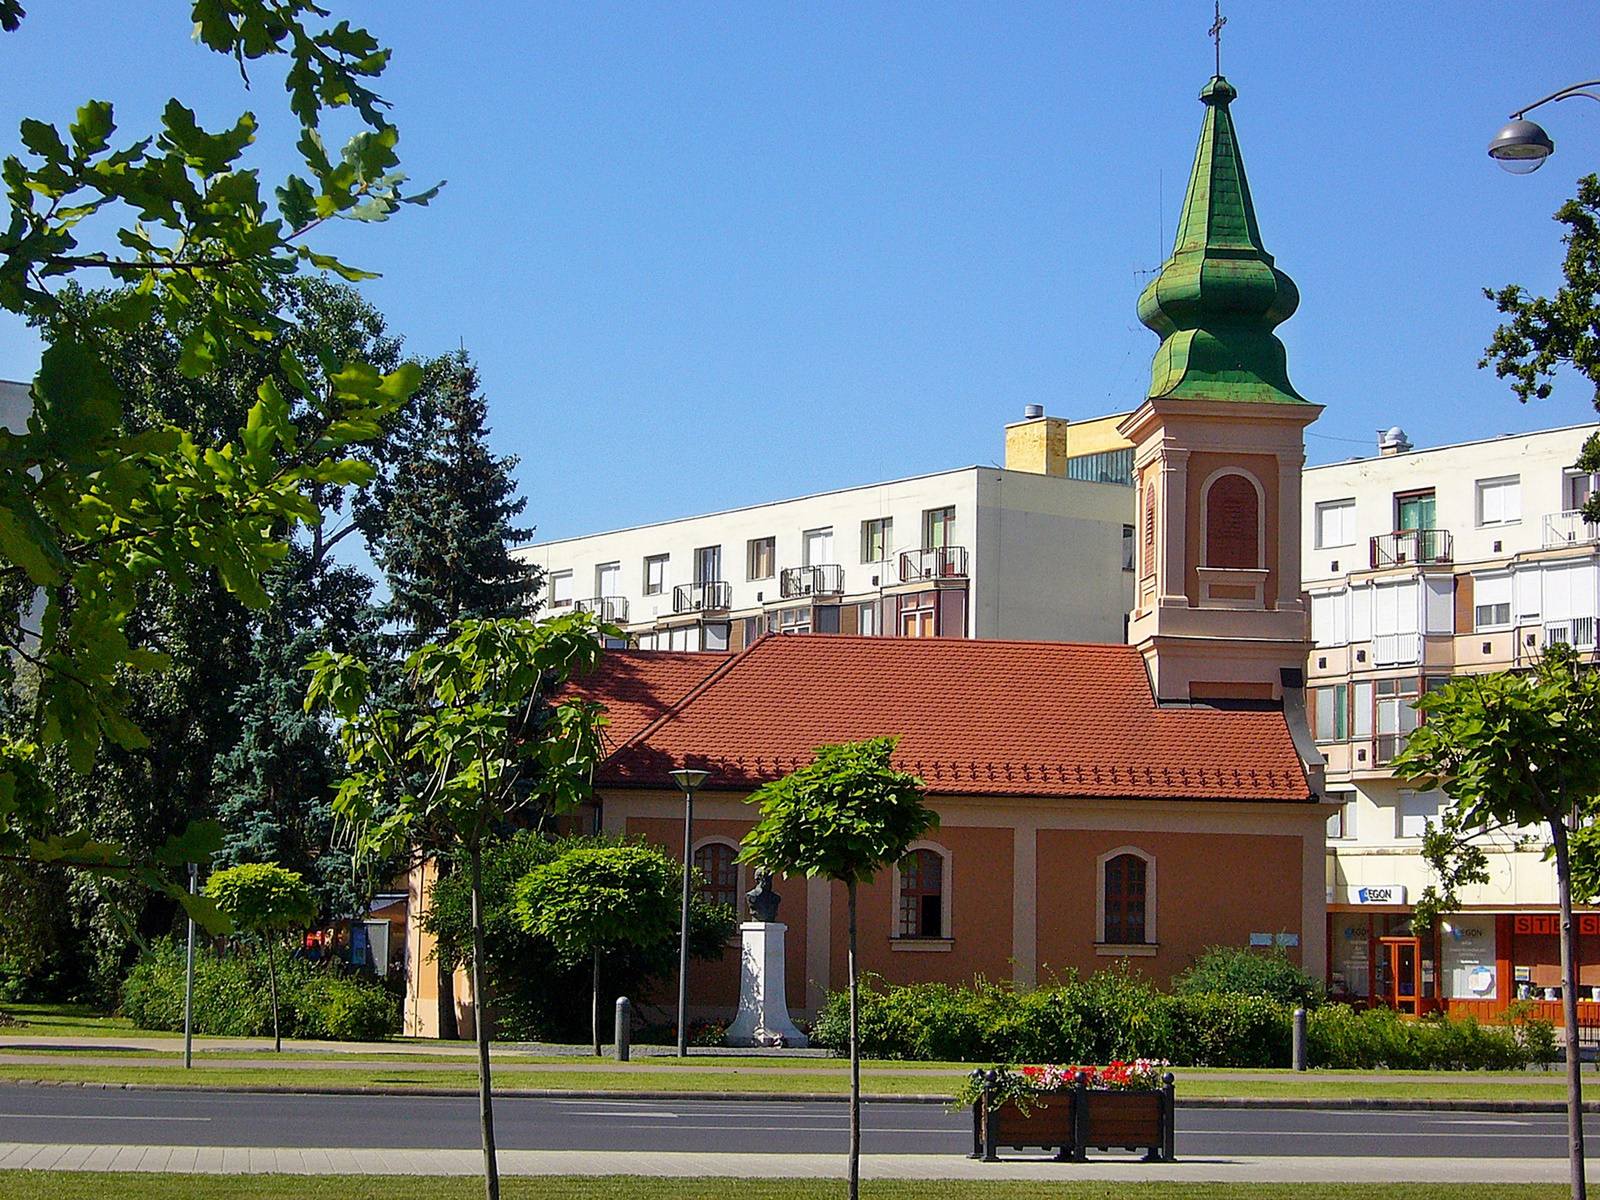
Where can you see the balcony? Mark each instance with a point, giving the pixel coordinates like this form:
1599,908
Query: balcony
1568,529
712,596
826,579
1408,547
1577,632
933,562
613,610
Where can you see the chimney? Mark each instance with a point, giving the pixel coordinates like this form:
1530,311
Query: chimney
1392,441
1037,444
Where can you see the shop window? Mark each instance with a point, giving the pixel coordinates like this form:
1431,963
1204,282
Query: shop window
1233,523
761,557
922,895
655,574
1336,524
1499,501
719,873
877,539
1126,893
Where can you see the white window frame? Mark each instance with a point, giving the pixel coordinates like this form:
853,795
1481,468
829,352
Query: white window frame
1151,943
1409,825
651,560
1346,508
1506,492
1495,583
821,536
614,569
887,524
946,907
557,578
750,557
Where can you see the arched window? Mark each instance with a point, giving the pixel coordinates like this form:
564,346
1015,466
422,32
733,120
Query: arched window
1233,523
922,895
719,874
1125,900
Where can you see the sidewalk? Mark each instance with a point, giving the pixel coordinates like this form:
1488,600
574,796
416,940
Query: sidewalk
347,1161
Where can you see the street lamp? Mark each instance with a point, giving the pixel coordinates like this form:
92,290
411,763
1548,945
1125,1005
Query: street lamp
1522,146
687,780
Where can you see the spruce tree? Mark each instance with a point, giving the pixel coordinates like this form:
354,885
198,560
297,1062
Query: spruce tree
441,517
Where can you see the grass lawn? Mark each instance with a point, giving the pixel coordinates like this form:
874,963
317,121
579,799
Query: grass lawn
69,1020
49,1185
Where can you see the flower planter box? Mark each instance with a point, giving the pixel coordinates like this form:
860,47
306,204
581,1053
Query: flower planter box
1072,1122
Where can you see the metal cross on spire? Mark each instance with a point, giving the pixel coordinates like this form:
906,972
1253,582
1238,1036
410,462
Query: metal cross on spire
1216,31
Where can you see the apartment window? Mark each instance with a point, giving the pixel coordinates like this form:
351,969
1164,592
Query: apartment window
922,895
818,547
1361,695
761,556
1342,821
708,564
1336,524
916,614
1579,487
795,620
1500,500
938,527
1415,510
560,589
867,620
1416,810
877,537
719,873
608,579
1124,893
1491,602
1331,713
655,574
1127,547
1396,716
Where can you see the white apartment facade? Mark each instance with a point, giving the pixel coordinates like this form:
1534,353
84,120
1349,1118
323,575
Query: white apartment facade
1421,564
980,552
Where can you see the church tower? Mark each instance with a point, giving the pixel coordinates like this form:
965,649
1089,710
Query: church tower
1218,611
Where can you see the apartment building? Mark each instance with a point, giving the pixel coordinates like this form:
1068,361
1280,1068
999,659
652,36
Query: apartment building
1040,549
1421,564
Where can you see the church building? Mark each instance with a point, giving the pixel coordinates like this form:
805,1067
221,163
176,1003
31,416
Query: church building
1099,803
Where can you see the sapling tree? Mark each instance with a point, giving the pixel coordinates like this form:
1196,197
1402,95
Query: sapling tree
268,901
1517,753
484,739
844,817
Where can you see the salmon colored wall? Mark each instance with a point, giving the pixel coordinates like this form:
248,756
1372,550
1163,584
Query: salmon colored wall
980,917
716,984
1265,469
1211,889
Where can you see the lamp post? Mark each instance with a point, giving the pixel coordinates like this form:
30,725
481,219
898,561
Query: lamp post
1522,146
687,780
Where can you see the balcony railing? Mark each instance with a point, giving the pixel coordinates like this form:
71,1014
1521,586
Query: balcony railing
712,596
933,562
1568,529
1396,649
1411,546
825,579
1578,632
611,609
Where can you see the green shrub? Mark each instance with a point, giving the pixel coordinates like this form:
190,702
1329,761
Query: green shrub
1239,971
1342,1038
231,997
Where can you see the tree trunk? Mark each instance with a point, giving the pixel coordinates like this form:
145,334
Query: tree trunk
1569,1009
272,985
480,1027
855,1060
594,1004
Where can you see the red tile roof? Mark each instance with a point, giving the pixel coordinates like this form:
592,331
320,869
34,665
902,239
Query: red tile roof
973,717
639,686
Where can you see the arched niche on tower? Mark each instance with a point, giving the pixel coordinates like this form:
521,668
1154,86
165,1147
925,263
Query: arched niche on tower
1233,561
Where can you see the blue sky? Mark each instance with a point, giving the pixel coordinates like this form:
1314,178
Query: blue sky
713,254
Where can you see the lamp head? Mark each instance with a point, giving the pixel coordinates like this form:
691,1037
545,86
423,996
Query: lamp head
687,779
1521,147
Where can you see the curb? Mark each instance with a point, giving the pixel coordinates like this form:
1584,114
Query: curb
1350,1104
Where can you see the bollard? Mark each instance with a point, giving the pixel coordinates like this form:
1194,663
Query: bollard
624,1027
1299,1039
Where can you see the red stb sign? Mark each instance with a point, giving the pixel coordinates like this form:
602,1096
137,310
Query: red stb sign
1550,923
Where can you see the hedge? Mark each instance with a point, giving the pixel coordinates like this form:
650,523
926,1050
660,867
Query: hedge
231,997
1117,1015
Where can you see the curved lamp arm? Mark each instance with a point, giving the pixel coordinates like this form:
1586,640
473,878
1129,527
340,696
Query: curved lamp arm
1565,93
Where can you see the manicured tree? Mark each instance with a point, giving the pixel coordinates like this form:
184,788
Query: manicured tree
1515,752
268,901
479,743
594,898
844,817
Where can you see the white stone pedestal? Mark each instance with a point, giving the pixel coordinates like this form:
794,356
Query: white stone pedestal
763,1018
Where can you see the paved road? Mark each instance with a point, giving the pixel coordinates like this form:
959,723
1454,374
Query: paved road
180,1118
